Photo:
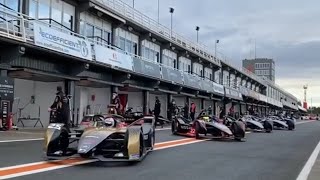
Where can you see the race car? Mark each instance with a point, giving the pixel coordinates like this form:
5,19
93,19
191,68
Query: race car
282,123
205,124
257,124
111,139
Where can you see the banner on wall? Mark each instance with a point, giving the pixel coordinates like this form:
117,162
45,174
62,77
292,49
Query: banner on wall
218,88
6,98
58,41
113,58
146,68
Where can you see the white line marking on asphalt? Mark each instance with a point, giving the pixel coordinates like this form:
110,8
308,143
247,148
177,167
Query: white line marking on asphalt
21,140
29,164
47,169
309,164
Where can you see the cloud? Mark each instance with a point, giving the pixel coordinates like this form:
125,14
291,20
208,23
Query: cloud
287,31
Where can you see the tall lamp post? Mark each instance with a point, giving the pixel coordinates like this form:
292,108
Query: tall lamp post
215,49
158,11
171,11
197,29
133,3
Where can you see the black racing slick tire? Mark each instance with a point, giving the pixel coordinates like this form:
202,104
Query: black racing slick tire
174,127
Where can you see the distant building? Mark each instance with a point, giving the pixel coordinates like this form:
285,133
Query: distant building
262,67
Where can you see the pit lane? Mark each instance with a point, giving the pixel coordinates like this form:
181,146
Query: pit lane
279,155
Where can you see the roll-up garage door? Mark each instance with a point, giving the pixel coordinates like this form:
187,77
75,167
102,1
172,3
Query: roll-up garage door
135,101
180,100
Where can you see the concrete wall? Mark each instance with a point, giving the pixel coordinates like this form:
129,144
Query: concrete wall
83,99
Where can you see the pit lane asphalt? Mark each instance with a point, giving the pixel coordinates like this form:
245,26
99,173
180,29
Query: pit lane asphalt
279,155
15,153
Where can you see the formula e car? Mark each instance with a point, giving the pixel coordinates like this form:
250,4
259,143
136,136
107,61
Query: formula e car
282,123
257,124
110,139
205,124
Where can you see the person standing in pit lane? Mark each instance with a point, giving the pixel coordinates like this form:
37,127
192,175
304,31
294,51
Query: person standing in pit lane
192,110
157,110
59,110
186,111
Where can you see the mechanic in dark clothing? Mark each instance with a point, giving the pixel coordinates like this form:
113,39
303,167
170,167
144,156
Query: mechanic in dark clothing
59,110
171,109
186,111
157,110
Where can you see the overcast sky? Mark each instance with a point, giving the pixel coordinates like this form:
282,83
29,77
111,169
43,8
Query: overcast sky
287,31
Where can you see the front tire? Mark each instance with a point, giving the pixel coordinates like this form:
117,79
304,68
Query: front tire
197,130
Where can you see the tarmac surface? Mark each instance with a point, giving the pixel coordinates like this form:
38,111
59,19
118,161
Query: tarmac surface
279,155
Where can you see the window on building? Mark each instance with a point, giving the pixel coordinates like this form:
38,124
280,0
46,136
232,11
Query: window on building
150,51
12,4
33,9
58,13
169,58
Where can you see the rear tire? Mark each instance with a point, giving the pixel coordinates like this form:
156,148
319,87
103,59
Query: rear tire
174,127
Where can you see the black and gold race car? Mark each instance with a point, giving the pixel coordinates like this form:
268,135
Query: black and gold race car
110,138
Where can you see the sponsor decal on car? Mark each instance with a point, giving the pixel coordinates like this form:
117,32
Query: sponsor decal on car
134,156
185,127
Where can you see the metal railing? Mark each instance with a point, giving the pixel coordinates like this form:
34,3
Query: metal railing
19,27
123,9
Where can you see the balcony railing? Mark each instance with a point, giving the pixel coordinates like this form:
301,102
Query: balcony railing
123,9
19,27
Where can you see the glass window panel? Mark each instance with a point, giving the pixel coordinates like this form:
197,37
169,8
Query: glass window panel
98,34
33,9
44,12
147,53
134,48
106,36
56,16
68,15
13,4
82,28
67,21
122,43
89,30
128,46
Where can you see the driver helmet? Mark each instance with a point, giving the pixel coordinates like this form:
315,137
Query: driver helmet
206,118
109,122
112,110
